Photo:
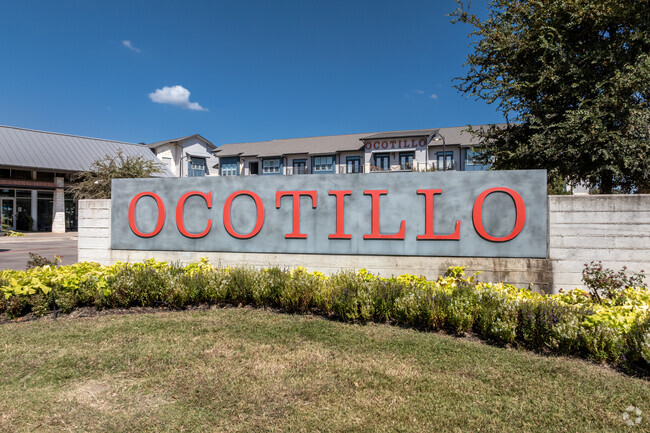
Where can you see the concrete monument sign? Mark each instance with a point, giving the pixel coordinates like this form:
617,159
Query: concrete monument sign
448,214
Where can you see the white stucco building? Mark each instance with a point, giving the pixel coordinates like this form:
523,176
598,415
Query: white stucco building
187,156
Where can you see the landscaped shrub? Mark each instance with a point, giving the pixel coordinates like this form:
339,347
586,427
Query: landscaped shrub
462,307
139,284
417,308
385,293
607,282
242,285
638,344
36,261
351,297
540,322
616,329
272,287
300,290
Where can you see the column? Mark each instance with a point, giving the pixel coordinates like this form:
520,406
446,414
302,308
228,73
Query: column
35,210
58,220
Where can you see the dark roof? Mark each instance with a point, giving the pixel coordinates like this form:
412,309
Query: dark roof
337,143
27,148
174,140
310,145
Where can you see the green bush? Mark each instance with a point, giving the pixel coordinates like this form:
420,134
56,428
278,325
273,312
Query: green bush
607,282
242,285
385,293
37,261
616,330
351,297
299,291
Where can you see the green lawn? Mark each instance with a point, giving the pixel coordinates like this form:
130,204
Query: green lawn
250,370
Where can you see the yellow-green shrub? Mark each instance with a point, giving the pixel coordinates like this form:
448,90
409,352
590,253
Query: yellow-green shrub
616,329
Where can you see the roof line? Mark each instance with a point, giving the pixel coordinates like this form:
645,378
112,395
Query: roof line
358,133
70,135
175,140
299,138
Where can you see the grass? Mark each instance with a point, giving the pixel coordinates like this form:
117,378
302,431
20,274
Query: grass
248,370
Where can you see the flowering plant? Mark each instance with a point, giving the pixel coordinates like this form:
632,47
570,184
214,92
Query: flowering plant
609,282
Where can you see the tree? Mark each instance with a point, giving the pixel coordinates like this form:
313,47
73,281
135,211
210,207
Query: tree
572,79
96,183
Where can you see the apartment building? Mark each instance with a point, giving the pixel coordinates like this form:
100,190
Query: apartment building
439,149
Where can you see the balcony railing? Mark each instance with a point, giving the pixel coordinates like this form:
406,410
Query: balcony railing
296,170
440,165
393,168
344,169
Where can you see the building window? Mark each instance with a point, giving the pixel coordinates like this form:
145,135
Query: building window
196,167
323,164
271,166
448,160
254,167
229,166
299,166
45,210
353,164
406,160
471,164
382,161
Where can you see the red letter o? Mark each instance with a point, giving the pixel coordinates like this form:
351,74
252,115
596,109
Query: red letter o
260,215
161,215
520,212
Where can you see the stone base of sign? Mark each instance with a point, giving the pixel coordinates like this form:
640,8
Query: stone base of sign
611,228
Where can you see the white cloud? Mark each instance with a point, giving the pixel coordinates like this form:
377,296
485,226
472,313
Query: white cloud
175,95
434,96
130,46
420,92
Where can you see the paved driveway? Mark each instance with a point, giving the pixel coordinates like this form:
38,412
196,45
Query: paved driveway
14,252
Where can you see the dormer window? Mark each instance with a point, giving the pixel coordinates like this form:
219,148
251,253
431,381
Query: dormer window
196,167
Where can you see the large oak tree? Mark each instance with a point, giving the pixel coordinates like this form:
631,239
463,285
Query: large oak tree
572,78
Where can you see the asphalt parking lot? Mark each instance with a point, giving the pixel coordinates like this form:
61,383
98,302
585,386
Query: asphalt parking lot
14,251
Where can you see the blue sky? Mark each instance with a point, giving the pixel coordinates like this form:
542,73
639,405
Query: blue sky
255,70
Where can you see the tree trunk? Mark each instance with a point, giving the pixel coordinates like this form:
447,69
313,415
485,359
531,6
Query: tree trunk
606,183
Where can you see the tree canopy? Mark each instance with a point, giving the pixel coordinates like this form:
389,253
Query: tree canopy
96,183
572,78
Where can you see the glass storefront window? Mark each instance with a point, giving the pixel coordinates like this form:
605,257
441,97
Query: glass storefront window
24,221
45,210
